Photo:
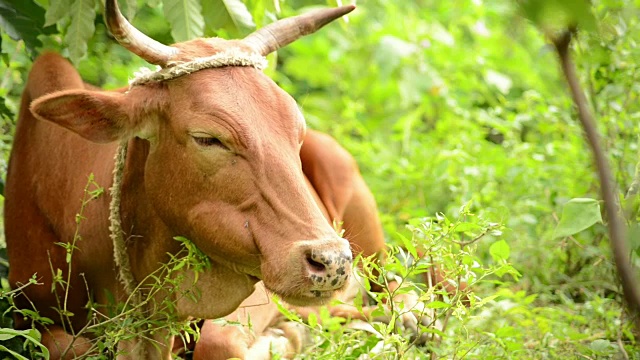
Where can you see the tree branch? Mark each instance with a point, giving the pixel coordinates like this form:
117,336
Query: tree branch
617,228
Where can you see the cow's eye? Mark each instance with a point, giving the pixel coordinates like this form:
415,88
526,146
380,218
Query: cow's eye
206,141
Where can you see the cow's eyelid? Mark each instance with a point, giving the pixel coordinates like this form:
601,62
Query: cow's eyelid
209,141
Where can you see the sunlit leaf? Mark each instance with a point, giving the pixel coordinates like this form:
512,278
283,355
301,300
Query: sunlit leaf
312,319
466,226
231,15
185,17
23,20
30,335
500,81
131,9
408,245
602,346
578,214
390,52
499,250
507,331
5,111
56,11
438,305
81,29
15,354
285,311
552,15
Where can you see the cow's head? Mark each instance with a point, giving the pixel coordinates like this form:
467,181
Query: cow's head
223,167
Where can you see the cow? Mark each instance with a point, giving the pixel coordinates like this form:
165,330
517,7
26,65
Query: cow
213,154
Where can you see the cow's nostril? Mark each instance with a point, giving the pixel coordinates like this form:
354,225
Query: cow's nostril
314,265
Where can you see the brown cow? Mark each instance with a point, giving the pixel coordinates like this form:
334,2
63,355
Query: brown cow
213,155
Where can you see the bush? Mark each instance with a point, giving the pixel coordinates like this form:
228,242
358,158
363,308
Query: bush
442,104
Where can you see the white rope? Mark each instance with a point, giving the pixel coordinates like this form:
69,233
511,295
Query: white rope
231,57
120,254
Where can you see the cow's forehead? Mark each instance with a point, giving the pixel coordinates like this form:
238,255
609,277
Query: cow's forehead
242,96
204,47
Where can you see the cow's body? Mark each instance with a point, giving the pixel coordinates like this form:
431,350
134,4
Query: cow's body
213,155
45,186
38,194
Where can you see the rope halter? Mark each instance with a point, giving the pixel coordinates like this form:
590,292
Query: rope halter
230,57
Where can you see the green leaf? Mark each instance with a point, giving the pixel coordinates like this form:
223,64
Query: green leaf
5,337
185,17
486,300
56,11
131,8
507,269
17,356
499,250
501,81
30,335
438,305
285,311
272,58
577,214
150,3
466,226
33,333
4,110
506,332
550,15
529,299
312,319
23,20
81,29
357,301
408,245
231,15
390,52
602,347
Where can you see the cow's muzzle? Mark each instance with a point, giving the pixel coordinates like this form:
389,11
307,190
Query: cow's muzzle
326,265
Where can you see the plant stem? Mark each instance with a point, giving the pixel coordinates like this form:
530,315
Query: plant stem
617,229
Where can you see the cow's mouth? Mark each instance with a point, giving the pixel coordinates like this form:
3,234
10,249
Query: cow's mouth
310,298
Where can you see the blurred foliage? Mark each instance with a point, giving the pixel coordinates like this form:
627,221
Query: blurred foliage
441,103
24,20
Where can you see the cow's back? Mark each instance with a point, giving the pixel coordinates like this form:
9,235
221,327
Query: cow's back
48,171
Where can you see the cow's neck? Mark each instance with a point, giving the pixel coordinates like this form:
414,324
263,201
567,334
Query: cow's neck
148,238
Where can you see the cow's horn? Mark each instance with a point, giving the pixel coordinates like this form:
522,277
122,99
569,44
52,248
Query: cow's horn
134,40
283,32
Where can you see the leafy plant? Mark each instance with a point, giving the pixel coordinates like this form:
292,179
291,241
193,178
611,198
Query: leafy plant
24,20
458,103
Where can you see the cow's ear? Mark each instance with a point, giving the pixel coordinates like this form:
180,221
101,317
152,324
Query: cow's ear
98,116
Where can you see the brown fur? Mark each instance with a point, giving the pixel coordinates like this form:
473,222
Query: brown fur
247,206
